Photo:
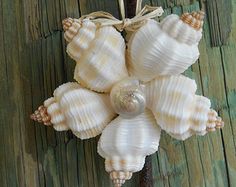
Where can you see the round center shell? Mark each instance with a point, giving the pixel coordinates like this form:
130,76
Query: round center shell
127,97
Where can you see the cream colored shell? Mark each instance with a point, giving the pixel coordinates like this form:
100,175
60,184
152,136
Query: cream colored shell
54,109
84,112
71,27
80,42
177,109
99,54
125,143
181,31
166,48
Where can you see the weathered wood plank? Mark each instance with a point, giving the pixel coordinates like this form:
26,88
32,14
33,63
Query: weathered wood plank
220,20
228,53
171,3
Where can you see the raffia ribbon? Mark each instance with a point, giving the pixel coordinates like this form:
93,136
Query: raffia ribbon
106,19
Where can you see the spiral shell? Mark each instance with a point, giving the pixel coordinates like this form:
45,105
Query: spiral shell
125,143
166,48
195,19
99,53
177,109
71,27
180,29
128,98
41,115
84,112
54,109
80,42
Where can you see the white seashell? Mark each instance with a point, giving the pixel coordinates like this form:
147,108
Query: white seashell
201,118
99,54
71,28
125,143
87,113
57,117
128,98
84,112
54,108
166,48
185,29
82,40
177,109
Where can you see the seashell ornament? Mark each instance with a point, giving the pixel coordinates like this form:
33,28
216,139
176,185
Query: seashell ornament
128,98
73,107
166,48
154,97
125,143
178,110
99,53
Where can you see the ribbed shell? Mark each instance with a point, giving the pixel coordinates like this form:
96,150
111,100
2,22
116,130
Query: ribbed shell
153,52
99,54
125,143
177,109
84,112
198,121
71,28
103,64
82,40
194,19
54,108
180,30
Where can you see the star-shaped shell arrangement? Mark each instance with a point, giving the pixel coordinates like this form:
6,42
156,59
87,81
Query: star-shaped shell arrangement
129,92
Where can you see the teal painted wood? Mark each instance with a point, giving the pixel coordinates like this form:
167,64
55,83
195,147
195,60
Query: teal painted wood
33,63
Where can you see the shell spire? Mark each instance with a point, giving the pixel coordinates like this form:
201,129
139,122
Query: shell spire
214,122
67,23
71,27
119,177
199,15
194,19
41,115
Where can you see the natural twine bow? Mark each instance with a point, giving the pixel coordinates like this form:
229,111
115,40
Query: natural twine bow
106,19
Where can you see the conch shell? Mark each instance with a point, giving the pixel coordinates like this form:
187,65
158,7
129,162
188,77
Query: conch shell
178,110
125,143
99,53
73,107
166,48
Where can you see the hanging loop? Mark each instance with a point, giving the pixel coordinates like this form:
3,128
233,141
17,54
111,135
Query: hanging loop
122,9
106,19
138,6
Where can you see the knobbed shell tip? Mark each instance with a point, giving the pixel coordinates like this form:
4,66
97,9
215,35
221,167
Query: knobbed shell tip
214,119
67,23
71,27
41,115
119,177
194,19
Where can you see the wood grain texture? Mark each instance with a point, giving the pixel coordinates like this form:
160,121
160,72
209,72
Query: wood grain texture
33,63
145,175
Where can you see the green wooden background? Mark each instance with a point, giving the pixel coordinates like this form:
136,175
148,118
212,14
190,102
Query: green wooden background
33,63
